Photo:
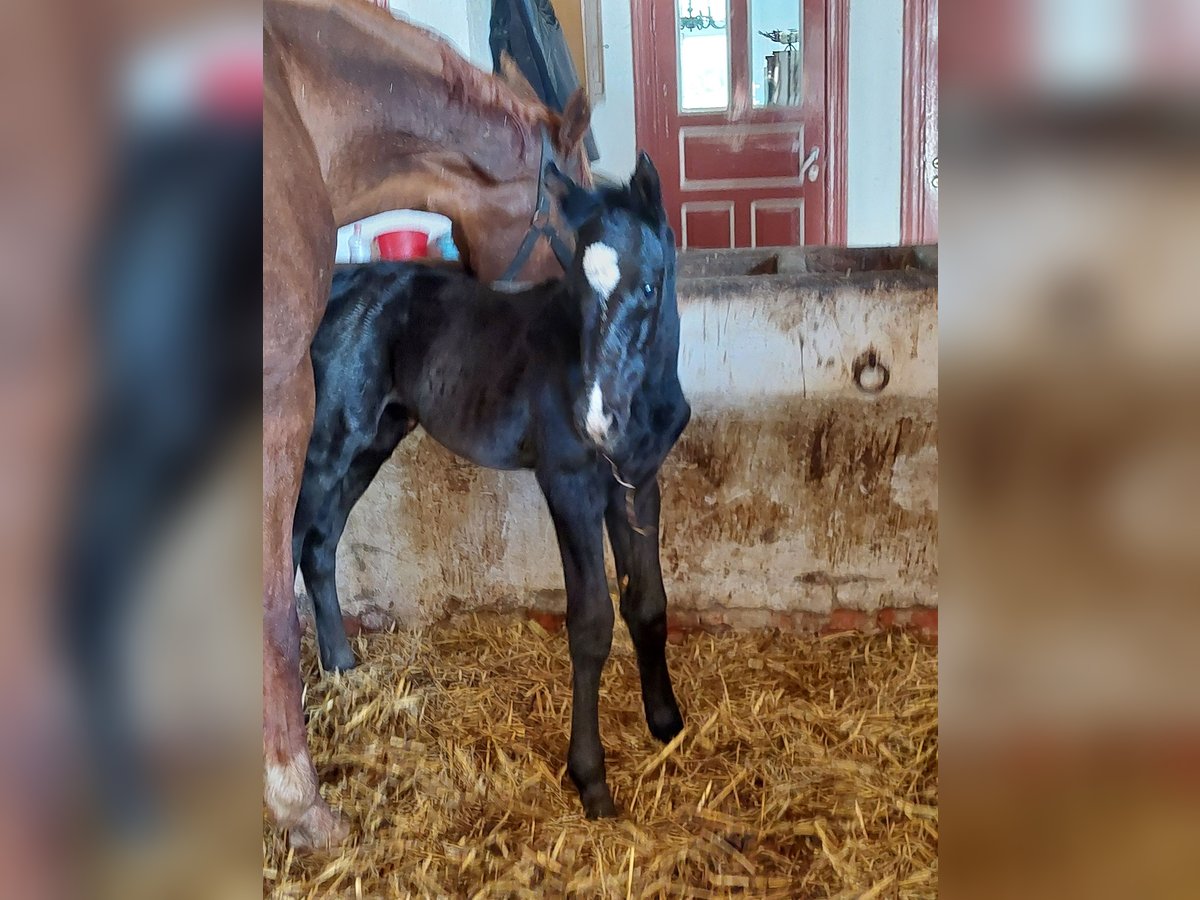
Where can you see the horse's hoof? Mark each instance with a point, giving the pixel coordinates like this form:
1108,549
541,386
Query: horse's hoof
320,828
598,803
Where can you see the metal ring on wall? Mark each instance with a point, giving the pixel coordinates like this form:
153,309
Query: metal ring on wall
870,375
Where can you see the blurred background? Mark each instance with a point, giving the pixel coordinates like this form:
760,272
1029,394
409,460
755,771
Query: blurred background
129,389
1070,319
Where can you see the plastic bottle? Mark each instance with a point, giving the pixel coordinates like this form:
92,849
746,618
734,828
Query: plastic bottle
447,247
360,248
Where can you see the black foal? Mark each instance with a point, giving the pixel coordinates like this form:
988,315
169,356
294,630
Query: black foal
575,379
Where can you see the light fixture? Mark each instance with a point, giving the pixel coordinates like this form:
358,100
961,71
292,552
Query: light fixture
787,38
694,21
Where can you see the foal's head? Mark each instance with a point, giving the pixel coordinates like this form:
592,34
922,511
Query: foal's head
624,254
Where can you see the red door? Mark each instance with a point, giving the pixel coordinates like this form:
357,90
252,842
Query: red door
919,128
735,119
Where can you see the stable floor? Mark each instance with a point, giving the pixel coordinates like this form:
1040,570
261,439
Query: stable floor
807,768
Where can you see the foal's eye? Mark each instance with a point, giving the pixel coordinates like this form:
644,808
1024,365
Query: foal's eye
648,289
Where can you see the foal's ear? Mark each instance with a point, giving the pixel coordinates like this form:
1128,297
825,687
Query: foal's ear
645,184
577,204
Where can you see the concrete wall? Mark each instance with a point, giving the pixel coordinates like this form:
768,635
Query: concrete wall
792,492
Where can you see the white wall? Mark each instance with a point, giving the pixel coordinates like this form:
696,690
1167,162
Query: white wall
612,119
463,22
873,164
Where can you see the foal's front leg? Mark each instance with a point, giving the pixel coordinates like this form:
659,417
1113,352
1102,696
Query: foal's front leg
644,599
576,502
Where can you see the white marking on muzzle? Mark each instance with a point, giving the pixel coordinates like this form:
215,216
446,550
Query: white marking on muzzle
597,422
600,267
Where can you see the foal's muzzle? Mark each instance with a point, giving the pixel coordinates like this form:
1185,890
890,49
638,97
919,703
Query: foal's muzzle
600,420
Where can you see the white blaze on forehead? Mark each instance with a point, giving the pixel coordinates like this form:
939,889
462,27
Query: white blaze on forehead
597,421
600,267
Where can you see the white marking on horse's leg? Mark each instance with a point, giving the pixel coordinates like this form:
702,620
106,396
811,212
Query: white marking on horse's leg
295,804
290,790
597,421
600,267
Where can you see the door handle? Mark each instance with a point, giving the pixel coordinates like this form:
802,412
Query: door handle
809,166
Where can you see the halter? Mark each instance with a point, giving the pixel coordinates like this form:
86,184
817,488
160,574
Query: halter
540,225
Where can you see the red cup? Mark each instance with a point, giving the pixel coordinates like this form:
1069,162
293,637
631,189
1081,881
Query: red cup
397,245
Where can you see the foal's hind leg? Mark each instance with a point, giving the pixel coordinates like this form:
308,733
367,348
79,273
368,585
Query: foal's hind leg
576,502
318,557
318,560
644,600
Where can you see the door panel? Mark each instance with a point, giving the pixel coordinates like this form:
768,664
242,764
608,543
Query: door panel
728,156
776,223
707,224
735,120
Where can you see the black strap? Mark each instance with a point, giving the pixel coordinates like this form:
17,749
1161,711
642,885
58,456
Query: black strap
540,226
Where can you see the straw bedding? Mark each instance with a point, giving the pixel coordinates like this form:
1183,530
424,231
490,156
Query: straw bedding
807,768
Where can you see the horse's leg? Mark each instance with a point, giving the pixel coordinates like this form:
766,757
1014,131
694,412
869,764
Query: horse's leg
644,600
290,784
576,502
298,251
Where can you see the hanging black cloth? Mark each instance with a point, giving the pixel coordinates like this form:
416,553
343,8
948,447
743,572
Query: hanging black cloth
529,32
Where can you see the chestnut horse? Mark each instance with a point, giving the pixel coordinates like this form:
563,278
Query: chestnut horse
363,113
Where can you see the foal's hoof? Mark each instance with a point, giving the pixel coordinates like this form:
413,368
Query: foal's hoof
665,723
339,660
320,828
598,802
